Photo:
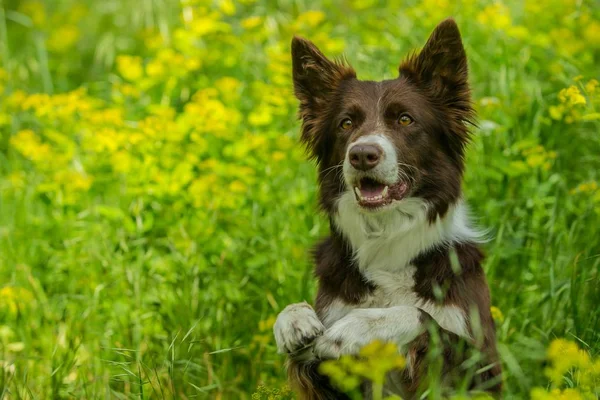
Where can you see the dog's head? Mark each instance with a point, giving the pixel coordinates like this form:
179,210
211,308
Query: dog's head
387,141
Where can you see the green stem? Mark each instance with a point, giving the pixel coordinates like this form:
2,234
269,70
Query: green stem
4,51
44,66
377,391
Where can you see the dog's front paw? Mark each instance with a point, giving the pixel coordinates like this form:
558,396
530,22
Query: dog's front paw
296,328
346,336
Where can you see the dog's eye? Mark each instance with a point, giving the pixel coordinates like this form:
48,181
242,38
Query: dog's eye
405,120
346,124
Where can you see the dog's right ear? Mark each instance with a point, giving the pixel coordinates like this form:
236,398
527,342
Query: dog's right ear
315,76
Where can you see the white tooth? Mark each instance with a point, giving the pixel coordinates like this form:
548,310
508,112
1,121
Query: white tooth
357,192
384,193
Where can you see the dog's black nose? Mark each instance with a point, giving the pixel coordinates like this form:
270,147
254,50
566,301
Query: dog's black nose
365,156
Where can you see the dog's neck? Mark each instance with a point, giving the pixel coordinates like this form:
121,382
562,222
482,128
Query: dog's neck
391,239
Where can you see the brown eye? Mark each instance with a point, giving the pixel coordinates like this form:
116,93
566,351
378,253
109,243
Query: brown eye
405,120
346,124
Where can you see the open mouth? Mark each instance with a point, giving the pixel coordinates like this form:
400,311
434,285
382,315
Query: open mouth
371,193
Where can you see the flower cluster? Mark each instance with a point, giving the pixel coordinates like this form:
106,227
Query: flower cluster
573,104
573,367
530,156
374,361
264,392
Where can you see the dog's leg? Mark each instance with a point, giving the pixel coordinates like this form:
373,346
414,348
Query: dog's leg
295,330
361,326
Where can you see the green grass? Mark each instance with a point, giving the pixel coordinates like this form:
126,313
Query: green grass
132,267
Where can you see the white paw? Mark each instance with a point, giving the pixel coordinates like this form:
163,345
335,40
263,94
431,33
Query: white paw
347,336
360,327
296,328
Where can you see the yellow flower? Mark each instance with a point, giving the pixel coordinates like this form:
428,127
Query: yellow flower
206,25
156,69
192,64
14,298
558,394
560,348
535,160
63,38
496,16
592,33
556,112
237,187
278,156
130,67
228,85
519,32
267,324
311,18
200,190
571,95
29,144
587,187
34,10
591,86
497,314
227,7
260,117
252,22
373,363
73,181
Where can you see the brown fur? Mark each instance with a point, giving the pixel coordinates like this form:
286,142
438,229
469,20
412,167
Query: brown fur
467,289
338,273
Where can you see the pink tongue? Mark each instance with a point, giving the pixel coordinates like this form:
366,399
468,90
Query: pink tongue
369,188
371,192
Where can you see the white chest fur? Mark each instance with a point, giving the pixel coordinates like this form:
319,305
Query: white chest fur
384,245
389,240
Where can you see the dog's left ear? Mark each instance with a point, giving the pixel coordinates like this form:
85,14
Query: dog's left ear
315,76
441,66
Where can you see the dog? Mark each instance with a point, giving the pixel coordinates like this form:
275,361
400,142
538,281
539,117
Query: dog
401,263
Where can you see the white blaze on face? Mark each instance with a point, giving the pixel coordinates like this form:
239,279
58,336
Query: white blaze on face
385,171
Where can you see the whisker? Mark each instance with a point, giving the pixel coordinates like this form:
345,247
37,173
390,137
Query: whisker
340,175
326,171
333,167
407,165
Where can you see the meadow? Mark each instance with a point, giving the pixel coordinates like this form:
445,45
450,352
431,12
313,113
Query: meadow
157,211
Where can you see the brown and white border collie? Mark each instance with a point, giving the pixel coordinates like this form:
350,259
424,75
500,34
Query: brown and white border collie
401,257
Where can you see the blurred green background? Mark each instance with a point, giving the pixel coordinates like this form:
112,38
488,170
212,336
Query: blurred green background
156,211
